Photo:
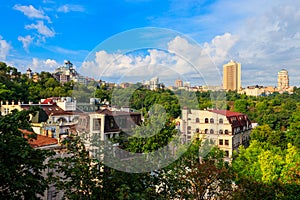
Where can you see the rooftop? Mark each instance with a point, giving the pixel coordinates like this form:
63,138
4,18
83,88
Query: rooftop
40,141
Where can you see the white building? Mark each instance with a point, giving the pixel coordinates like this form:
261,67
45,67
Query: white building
226,129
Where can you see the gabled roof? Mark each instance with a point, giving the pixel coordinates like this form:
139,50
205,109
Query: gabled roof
40,141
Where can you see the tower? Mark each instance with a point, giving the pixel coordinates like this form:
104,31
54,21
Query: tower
283,80
178,83
232,76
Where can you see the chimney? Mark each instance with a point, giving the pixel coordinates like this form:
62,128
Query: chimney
6,102
19,102
12,102
30,102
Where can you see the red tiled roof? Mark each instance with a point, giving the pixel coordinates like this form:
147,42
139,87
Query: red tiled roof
40,141
226,113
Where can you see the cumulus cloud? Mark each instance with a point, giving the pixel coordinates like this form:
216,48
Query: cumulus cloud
31,12
220,47
42,29
43,65
4,48
71,8
26,41
181,59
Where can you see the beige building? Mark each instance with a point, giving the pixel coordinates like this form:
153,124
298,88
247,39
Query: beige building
178,83
226,129
232,76
283,80
255,91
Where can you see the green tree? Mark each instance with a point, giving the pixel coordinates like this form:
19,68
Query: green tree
21,165
78,174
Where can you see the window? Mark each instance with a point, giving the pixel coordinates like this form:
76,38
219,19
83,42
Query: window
211,131
220,142
197,120
206,120
227,154
221,121
188,128
197,130
220,131
96,124
227,142
211,121
206,131
111,123
226,131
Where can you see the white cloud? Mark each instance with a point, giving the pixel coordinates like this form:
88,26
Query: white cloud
4,48
26,41
71,8
38,65
42,29
220,46
182,59
31,12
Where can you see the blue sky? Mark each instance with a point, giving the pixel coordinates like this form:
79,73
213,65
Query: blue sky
263,35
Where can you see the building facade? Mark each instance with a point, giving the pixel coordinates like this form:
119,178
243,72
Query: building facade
226,129
178,83
232,76
106,124
283,80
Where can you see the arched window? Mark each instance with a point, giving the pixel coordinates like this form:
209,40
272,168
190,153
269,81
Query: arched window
206,120
220,131
206,131
211,131
61,119
221,121
197,130
197,120
226,131
189,128
211,120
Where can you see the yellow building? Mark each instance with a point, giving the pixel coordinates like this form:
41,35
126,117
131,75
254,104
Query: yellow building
226,129
232,76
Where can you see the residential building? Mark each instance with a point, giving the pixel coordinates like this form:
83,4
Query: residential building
178,83
283,80
255,90
226,129
52,120
106,123
153,84
66,73
232,76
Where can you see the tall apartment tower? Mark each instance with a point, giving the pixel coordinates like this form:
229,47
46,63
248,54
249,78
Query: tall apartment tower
232,76
283,80
178,83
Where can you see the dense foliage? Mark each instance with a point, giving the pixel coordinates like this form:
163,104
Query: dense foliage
268,169
21,165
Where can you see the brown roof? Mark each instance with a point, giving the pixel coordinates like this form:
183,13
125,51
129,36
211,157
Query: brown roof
114,113
50,109
40,140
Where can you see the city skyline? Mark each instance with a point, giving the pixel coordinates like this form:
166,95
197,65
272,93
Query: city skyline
264,38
